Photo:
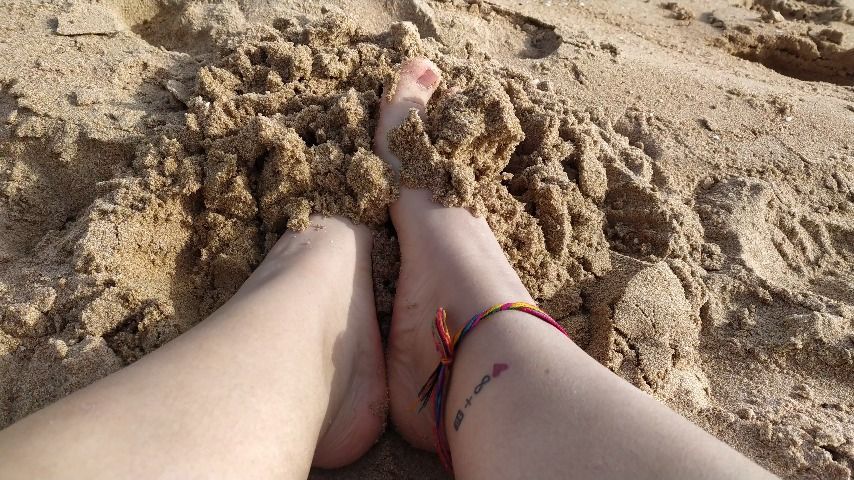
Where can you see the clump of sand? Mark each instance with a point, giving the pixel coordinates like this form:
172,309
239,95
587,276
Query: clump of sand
281,127
471,152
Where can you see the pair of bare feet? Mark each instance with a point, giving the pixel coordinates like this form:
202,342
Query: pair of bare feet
292,369
449,258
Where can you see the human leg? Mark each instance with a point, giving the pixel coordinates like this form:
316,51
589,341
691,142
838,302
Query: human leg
551,411
289,370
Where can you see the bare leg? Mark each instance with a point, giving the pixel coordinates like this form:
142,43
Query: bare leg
289,370
554,412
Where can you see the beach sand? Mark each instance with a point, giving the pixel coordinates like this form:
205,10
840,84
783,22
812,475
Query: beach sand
673,181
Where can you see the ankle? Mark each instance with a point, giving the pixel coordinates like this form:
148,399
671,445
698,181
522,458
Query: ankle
502,376
440,233
325,251
458,256
472,294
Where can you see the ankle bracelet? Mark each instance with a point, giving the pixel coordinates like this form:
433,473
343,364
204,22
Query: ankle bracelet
436,387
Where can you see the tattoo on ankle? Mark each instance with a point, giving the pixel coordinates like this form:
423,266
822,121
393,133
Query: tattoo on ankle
497,368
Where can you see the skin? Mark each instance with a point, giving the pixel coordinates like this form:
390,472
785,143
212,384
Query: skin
554,412
289,372
265,385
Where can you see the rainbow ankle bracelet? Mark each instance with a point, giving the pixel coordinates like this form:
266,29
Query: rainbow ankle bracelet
436,387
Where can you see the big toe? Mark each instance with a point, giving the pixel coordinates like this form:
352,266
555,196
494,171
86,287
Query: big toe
418,80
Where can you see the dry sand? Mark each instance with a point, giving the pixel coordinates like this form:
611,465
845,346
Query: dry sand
674,182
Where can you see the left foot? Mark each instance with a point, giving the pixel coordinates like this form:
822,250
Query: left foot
357,409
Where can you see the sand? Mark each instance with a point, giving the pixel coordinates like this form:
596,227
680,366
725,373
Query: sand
674,182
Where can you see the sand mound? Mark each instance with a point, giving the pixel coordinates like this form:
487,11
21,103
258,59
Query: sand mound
651,340
794,48
281,127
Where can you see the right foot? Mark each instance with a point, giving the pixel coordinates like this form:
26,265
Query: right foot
449,258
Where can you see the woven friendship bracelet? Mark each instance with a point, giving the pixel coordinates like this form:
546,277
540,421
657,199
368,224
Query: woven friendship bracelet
436,388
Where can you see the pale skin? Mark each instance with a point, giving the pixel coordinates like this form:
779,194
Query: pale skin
289,373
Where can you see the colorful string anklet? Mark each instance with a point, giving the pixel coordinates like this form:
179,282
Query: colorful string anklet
436,387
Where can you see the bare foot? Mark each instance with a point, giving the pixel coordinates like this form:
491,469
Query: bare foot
449,259
356,413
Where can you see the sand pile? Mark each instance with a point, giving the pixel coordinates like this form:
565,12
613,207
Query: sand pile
282,127
692,229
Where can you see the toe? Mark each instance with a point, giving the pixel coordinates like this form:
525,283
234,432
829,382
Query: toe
418,80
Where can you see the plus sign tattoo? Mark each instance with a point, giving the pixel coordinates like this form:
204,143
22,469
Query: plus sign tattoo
497,368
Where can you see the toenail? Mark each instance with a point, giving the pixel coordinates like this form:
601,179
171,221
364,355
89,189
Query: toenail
428,78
